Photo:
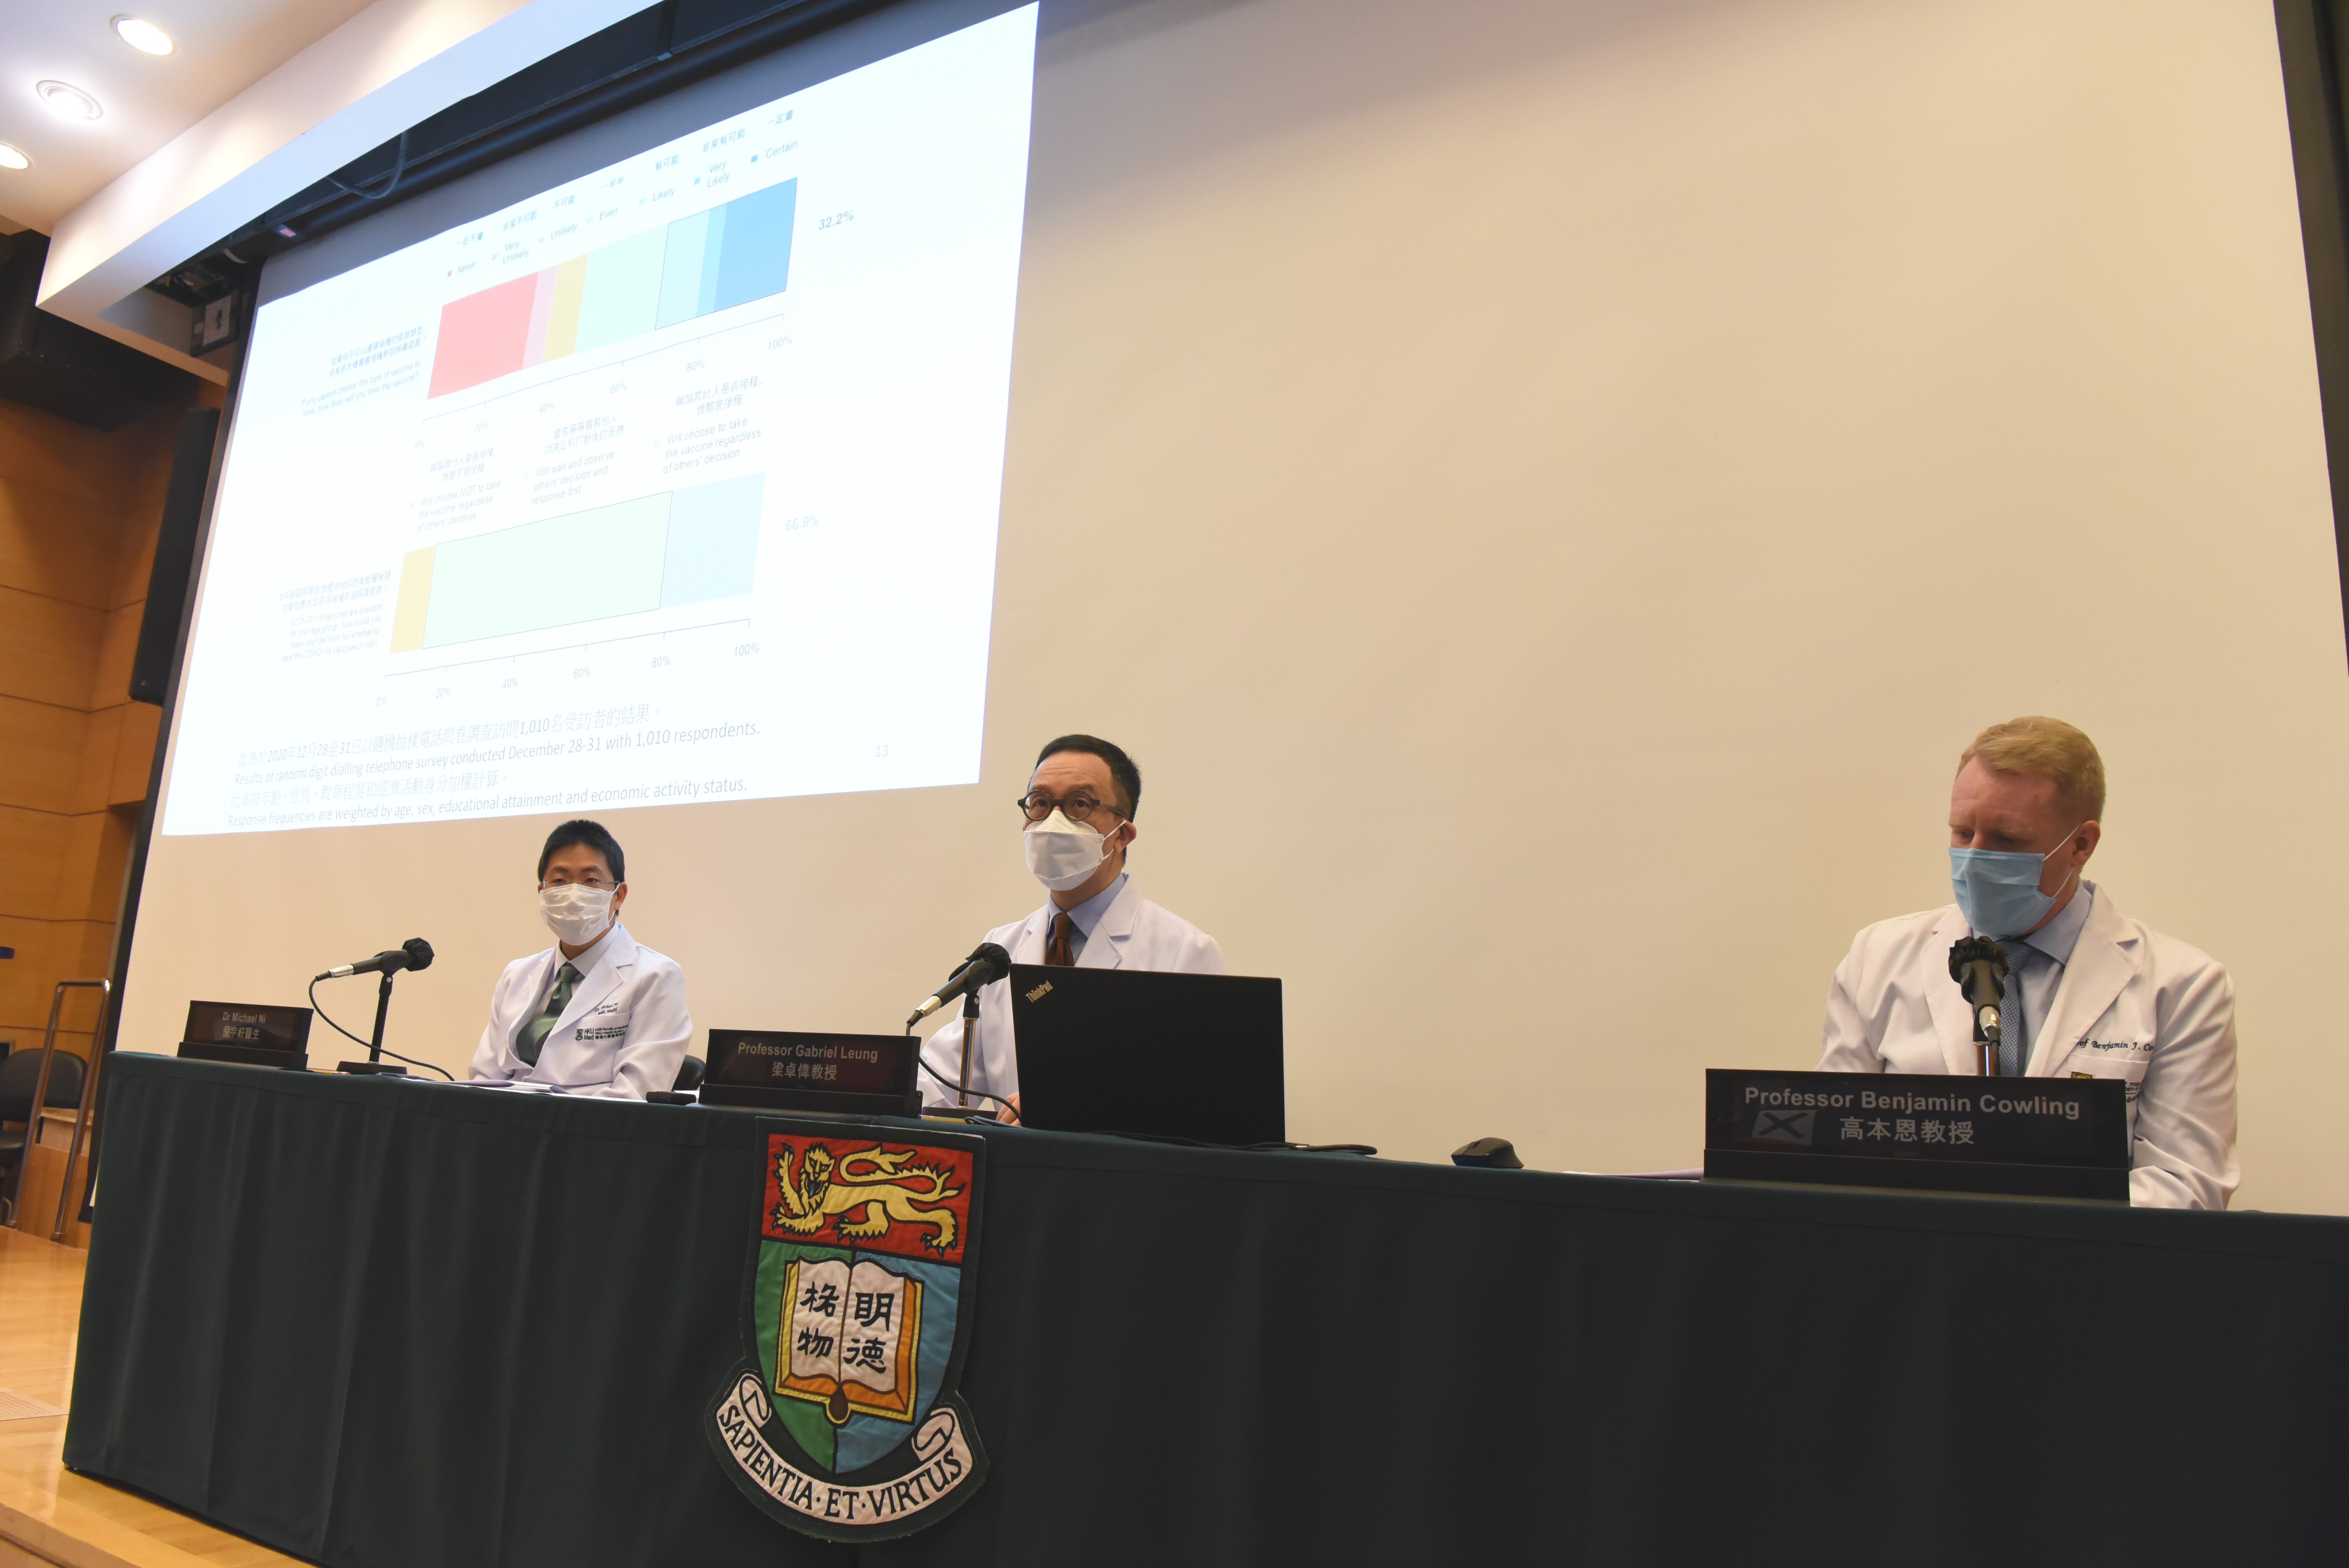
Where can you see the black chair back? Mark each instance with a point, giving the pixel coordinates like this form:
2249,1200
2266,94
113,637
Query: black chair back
17,1074
689,1076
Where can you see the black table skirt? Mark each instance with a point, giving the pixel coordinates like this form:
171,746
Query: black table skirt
374,1322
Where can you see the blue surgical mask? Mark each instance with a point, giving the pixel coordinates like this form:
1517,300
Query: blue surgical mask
1998,890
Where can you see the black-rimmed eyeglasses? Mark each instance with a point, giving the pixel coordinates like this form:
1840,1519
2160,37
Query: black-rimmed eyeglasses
1078,808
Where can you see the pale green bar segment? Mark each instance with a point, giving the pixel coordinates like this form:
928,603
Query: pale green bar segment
582,567
624,286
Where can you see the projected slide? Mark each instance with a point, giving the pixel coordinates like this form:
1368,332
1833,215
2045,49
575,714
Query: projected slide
677,482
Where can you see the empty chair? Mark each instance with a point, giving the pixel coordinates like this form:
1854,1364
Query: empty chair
17,1075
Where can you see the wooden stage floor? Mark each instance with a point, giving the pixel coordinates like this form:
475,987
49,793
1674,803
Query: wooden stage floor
47,1515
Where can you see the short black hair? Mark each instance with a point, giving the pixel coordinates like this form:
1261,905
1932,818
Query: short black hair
1121,770
595,836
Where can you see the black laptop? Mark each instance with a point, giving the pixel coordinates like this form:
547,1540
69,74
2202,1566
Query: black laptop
1193,1057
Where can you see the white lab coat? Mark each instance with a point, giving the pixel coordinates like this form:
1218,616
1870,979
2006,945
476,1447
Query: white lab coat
622,1036
1132,934
2132,1004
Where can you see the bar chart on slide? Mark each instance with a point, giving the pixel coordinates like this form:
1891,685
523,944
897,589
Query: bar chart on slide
673,480
710,262
680,547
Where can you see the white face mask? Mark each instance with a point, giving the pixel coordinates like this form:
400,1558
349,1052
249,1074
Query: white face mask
575,913
1063,853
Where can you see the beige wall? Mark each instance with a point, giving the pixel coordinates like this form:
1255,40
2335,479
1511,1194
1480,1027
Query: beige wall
1546,490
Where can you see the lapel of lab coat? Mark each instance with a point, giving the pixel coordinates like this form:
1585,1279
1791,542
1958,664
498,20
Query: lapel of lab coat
1105,948
1953,1021
619,954
1027,943
2103,960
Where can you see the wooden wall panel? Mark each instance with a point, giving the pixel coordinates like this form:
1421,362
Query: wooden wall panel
47,547
41,957
134,754
80,511
48,648
118,644
33,849
102,738
43,750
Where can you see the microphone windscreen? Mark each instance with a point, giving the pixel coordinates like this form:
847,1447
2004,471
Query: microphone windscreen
1973,950
419,952
994,956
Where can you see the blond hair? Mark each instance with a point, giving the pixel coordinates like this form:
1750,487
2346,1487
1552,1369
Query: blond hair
2037,747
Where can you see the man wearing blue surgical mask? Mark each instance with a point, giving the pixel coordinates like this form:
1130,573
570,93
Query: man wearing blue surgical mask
2089,991
1076,817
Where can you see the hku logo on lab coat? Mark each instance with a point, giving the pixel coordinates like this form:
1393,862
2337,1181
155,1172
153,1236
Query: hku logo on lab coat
843,1421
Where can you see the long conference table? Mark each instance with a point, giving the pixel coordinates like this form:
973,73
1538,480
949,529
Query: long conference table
376,1323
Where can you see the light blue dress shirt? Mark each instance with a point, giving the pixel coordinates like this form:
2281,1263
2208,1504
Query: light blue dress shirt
2036,964
1086,915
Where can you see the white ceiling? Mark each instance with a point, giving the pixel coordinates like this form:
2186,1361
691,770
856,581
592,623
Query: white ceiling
225,47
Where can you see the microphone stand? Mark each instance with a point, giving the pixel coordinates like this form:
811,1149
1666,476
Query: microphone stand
374,1062
969,1031
382,1007
414,954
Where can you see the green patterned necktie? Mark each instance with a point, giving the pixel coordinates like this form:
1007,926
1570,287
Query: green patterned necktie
533,1034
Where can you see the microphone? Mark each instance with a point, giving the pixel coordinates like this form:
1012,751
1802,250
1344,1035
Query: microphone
1979,966
989,963
413,953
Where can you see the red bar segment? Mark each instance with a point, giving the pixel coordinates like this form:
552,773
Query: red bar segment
482,337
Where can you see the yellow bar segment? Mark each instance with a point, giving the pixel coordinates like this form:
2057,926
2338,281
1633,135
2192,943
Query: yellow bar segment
415,598
562,320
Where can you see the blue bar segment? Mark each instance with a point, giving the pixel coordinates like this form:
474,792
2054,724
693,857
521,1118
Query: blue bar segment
713,541
757,258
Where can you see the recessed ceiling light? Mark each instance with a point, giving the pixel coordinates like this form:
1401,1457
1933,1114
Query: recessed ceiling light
67,101
12,159
144,37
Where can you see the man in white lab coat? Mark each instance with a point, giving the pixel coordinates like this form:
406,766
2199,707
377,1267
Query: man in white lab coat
2090,992
1078,810
598,1013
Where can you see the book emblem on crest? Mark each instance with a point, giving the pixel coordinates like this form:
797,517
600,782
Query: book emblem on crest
843,1421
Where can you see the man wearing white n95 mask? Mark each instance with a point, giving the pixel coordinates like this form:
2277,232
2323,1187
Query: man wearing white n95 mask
596,1013
2089,991
1078,813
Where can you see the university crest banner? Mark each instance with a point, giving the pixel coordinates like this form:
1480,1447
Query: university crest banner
842,1421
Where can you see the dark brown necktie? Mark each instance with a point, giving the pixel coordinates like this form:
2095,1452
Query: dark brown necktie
1056,949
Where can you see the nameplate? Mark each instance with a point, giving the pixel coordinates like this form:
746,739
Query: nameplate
246,1033
2030,1137
786,1069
